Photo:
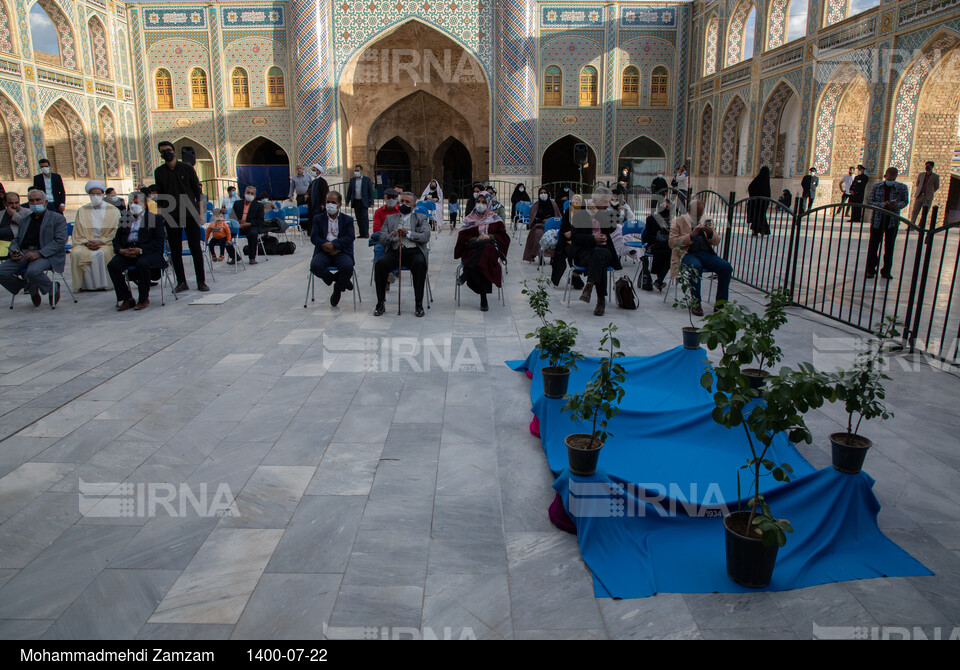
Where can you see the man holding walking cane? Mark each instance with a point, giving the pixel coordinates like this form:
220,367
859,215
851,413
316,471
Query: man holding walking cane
405,233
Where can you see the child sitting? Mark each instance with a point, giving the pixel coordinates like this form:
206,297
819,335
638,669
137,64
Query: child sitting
218,232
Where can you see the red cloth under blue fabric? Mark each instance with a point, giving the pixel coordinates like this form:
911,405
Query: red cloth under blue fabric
650,519
529,375
558,516
535,427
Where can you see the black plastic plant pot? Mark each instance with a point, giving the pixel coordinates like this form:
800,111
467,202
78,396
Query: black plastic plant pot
583,462
849,452
691,338
756,377
749,563
555,381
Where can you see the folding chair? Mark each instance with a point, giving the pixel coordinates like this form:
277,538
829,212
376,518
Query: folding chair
553,223
583,271
63,281
164,274
235,246
291,216
522,217
312,293
185,249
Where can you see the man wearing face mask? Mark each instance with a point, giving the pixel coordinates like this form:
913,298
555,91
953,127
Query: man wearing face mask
249,214
180,200
52,186
659,188
8,222
412,230
332,238
361,197
809,185
300,186
93,231
892,196
138,244
112,198
40,245
392,199
316,196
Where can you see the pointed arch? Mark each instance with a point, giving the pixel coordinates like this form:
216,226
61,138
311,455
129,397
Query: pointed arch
942,51
830,141
14,141
706,138
66,39
98,46
770,124
711,45
65,140
741,32
730,135
110,143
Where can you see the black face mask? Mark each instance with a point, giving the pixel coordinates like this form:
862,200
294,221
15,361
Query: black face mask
405,209
167,156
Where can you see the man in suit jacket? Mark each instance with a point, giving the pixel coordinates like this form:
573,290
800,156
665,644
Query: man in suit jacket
361,197
858,191
927,184
411,230
693,241
892,196
52,185
249,214
332,236
138,243
40,245
809,185
317,196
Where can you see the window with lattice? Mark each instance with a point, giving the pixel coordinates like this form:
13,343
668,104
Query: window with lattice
164,89
276,95
553,87
630,94
241,88
199,98
659,81
588,87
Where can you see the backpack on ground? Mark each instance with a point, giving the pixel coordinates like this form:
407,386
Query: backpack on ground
285,248
626,295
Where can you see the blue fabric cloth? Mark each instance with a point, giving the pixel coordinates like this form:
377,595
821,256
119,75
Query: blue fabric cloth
650,519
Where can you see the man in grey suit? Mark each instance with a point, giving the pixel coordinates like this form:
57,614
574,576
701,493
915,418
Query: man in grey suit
411,230
40,245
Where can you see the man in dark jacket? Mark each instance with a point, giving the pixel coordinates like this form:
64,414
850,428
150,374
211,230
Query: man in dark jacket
809,185
39,246
332,236
249,214
316,196
52,184
179,200
858,191
138,246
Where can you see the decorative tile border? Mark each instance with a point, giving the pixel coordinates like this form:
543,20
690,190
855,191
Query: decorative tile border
571,16
253,16
172,17
648,16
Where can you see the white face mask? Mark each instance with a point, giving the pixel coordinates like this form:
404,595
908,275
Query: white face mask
543,196
481,208
249,197
356,174
391,203
45,170
136,209
615,203
332,208
96,200
521,189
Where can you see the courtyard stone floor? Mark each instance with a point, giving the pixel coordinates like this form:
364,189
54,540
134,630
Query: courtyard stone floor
411,497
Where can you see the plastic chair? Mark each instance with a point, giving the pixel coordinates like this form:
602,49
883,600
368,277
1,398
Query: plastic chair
583,270
185,249
235,246
553,223
69,244
165,274
311,287
521,215
291,216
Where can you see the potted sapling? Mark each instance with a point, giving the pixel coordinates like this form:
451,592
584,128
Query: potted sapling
687,278
861,390
555,341
597,403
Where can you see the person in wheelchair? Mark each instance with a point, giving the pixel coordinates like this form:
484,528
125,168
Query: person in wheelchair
482,242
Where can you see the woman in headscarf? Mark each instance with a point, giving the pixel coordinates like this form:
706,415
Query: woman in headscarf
544,208
757,210
93,231
563,252
656,235
482,241
519,195
432,192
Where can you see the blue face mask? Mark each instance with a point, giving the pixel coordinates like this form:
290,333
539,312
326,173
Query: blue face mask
37,209
889,182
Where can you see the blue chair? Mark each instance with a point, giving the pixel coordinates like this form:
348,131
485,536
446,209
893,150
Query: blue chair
63,281
553,223
566,205
209,206
165,274
291,216
69,244
235,245
185,249
521,215
311,287
583,271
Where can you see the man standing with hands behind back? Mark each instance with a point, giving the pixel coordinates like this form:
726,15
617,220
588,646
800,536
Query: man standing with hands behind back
179,199
892,196
361,197
928,183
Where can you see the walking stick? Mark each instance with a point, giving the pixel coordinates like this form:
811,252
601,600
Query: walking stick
399,273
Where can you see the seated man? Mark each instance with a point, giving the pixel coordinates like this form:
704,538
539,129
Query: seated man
40,245
593,246
8,221
249,214
411,231
138,243
332,236
93,231
693,240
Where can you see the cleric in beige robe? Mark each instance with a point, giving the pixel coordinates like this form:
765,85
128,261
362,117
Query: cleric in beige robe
92,242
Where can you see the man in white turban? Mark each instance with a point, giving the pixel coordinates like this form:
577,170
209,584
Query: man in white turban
93,232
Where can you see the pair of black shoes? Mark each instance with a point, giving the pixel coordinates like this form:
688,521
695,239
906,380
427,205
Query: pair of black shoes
381,308
335,297
182,286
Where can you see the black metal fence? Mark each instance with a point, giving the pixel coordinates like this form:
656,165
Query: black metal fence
823,257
